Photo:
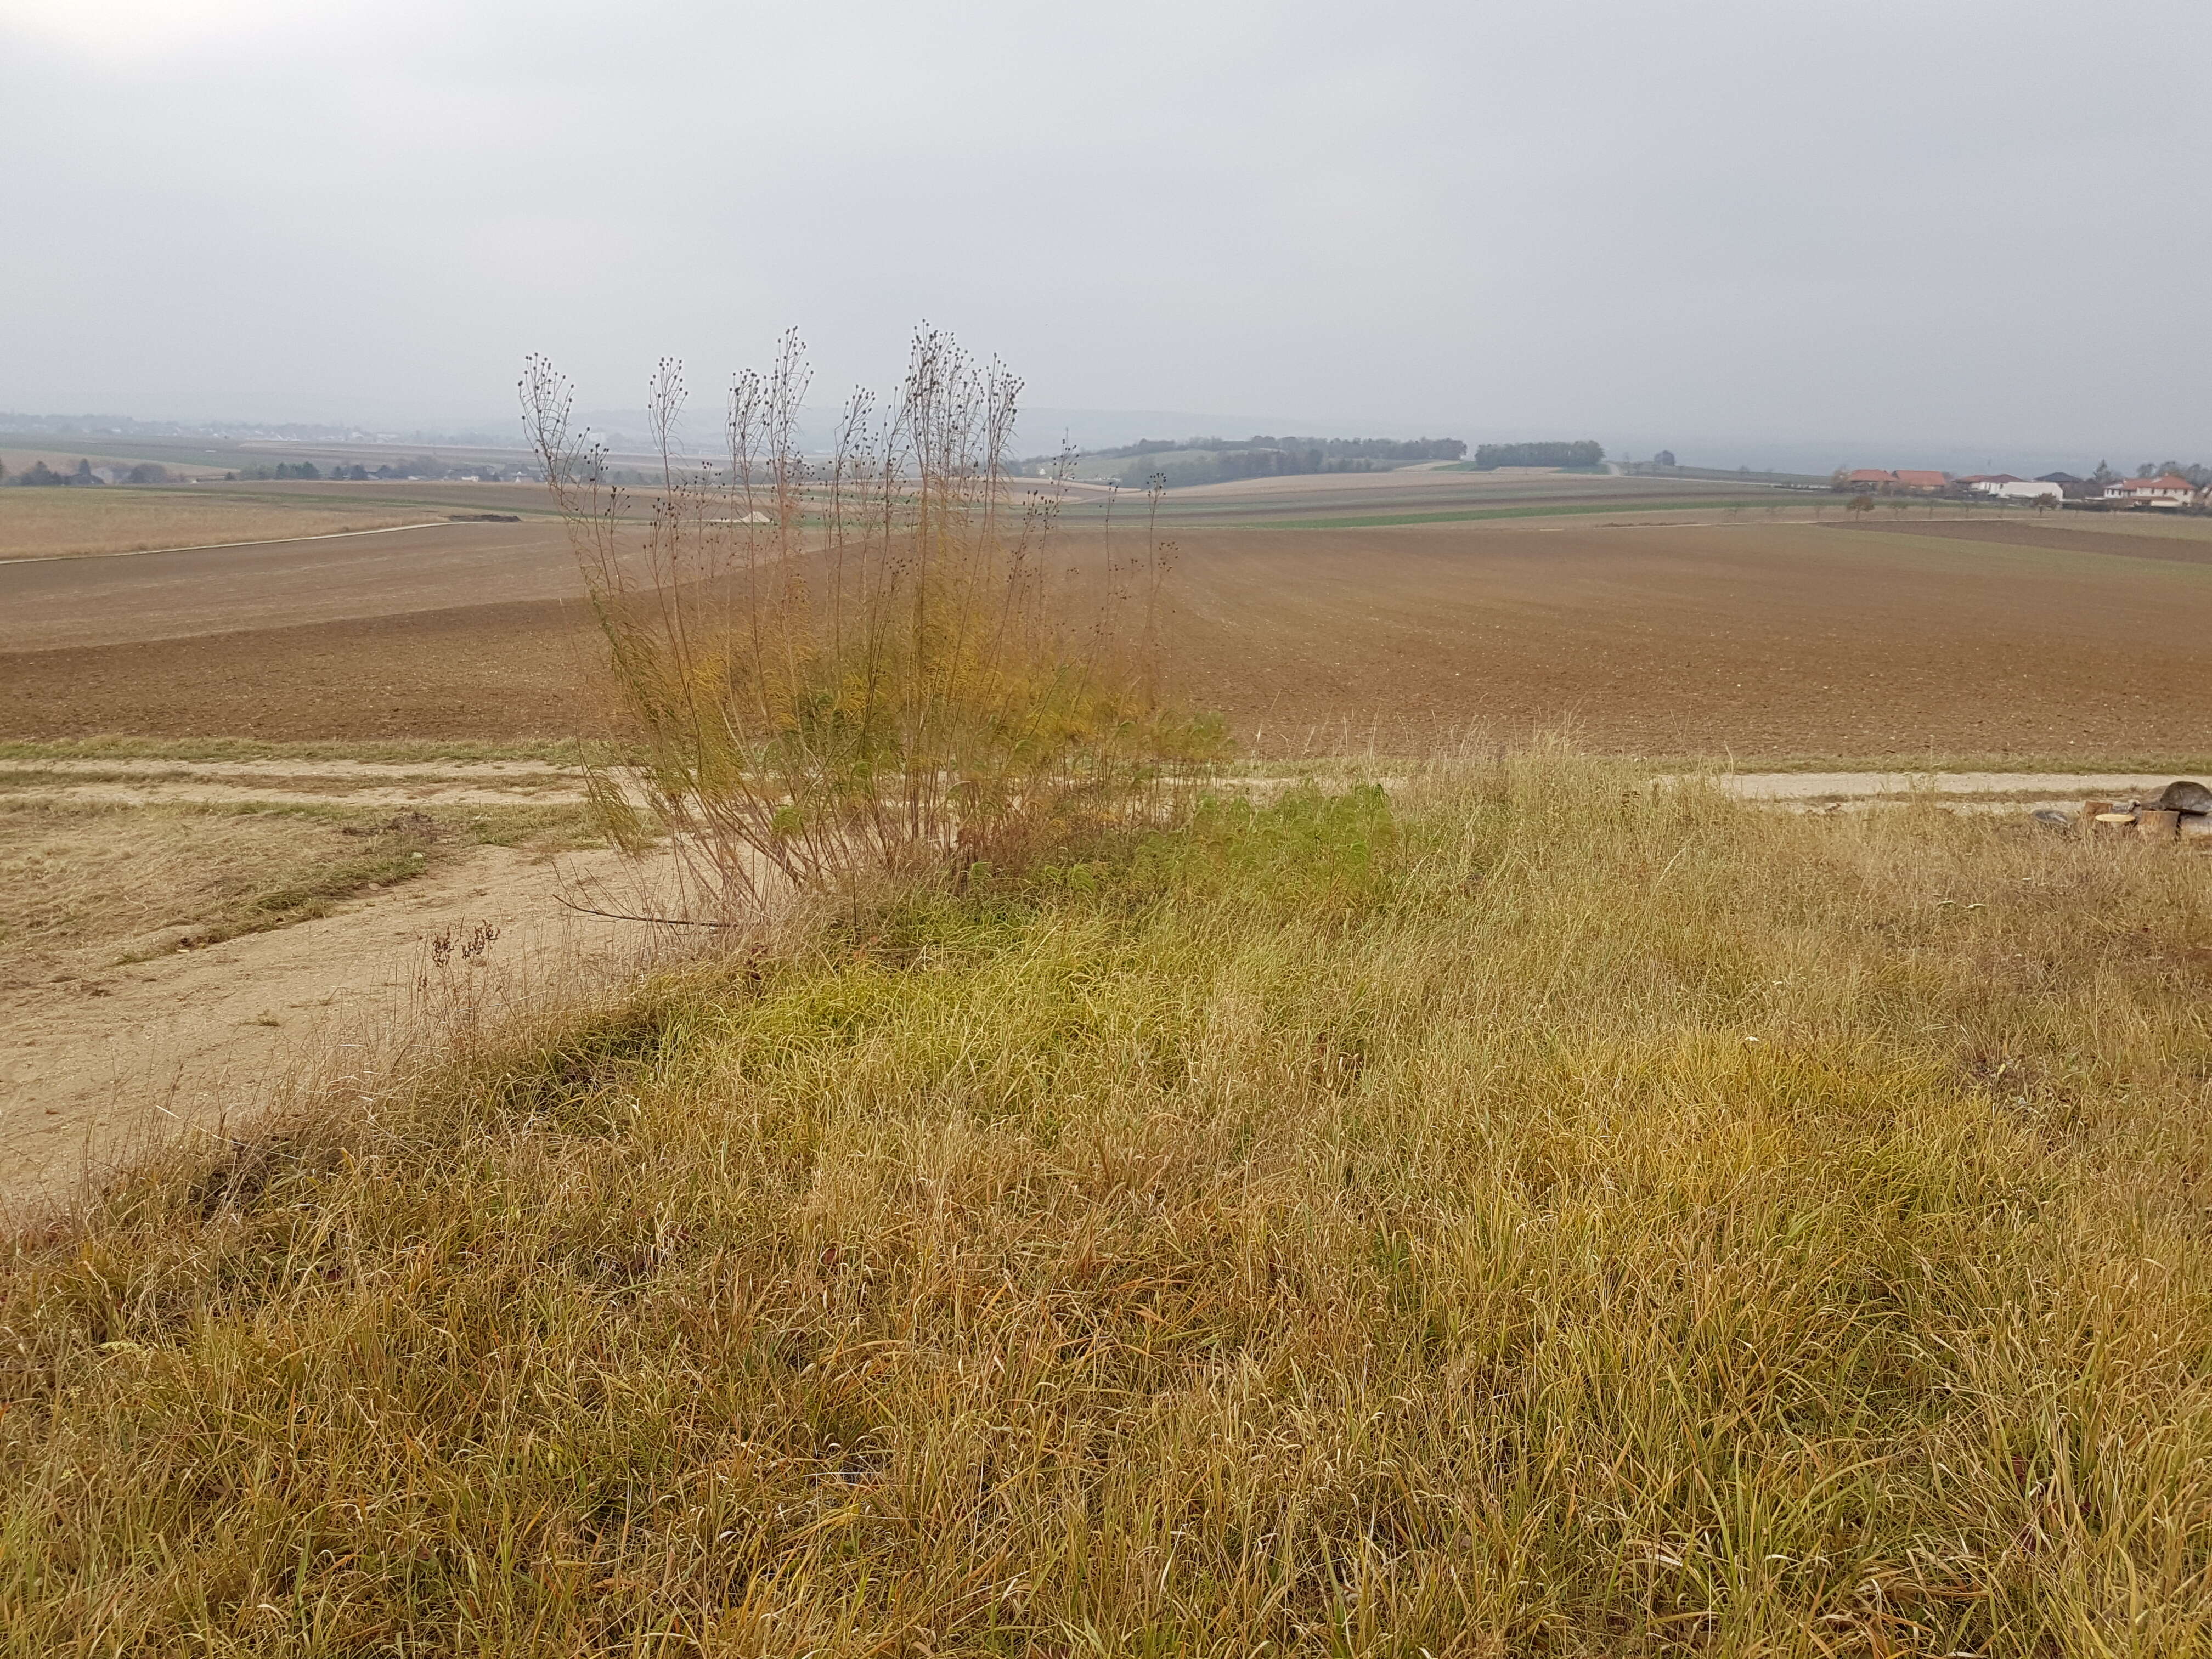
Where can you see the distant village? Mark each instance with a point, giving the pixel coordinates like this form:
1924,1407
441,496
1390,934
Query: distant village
2168,487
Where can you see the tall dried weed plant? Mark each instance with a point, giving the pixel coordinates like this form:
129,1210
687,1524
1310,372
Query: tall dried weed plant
858,664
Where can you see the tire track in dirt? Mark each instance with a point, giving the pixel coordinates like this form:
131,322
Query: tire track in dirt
193,1043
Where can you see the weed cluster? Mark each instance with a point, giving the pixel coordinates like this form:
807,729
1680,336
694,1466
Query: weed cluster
861,666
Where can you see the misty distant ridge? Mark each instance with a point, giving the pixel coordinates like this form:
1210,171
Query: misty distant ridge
701,426
324,432
1045,430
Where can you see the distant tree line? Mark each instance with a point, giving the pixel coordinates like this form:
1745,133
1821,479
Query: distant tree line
2199,475
1588,453
419,466
1399,450
38,474
150,472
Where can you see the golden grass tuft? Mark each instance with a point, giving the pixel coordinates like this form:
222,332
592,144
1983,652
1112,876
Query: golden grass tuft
1536,1214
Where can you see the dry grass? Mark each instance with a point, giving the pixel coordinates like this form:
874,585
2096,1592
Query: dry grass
44,524
84,886
1544,1217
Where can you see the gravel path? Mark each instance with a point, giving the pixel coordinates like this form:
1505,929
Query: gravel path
1941,786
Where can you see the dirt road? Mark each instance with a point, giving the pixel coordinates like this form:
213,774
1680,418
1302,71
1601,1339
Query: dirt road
2008,789
189,1042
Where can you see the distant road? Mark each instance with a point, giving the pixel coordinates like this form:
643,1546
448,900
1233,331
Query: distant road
316,579
204,547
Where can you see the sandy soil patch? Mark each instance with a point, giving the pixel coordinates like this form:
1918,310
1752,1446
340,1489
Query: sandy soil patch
187,1042
305,792
326,773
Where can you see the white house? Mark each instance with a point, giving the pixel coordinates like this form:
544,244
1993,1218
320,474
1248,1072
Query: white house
2168,491
2020,490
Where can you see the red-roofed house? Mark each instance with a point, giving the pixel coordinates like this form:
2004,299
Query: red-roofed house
1870,477
2168,491
1908,479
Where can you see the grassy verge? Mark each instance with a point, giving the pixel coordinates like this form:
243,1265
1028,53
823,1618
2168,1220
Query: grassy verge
568,752
1539,1217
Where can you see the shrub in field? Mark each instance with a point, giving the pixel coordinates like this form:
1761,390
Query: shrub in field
828,667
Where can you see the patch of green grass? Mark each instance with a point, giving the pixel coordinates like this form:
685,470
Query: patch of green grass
280,897
559,828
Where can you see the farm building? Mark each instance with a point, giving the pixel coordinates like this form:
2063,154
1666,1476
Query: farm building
2020,490
1876,478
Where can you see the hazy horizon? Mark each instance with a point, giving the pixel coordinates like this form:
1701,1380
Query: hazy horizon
1884,234
1042,430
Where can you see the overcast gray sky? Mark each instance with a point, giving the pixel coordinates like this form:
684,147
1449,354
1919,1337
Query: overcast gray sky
1942,221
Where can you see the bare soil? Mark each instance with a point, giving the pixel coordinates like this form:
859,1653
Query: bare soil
185,1042
165,595
43,524
1759,639
1762,639
495,671
2135,537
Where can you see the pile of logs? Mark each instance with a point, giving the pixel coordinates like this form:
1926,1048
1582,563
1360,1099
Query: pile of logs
2183,811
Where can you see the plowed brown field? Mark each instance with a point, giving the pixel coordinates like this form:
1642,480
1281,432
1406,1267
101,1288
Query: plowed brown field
1761,638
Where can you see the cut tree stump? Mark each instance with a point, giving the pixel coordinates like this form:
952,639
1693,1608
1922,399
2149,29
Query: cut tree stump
2158,826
